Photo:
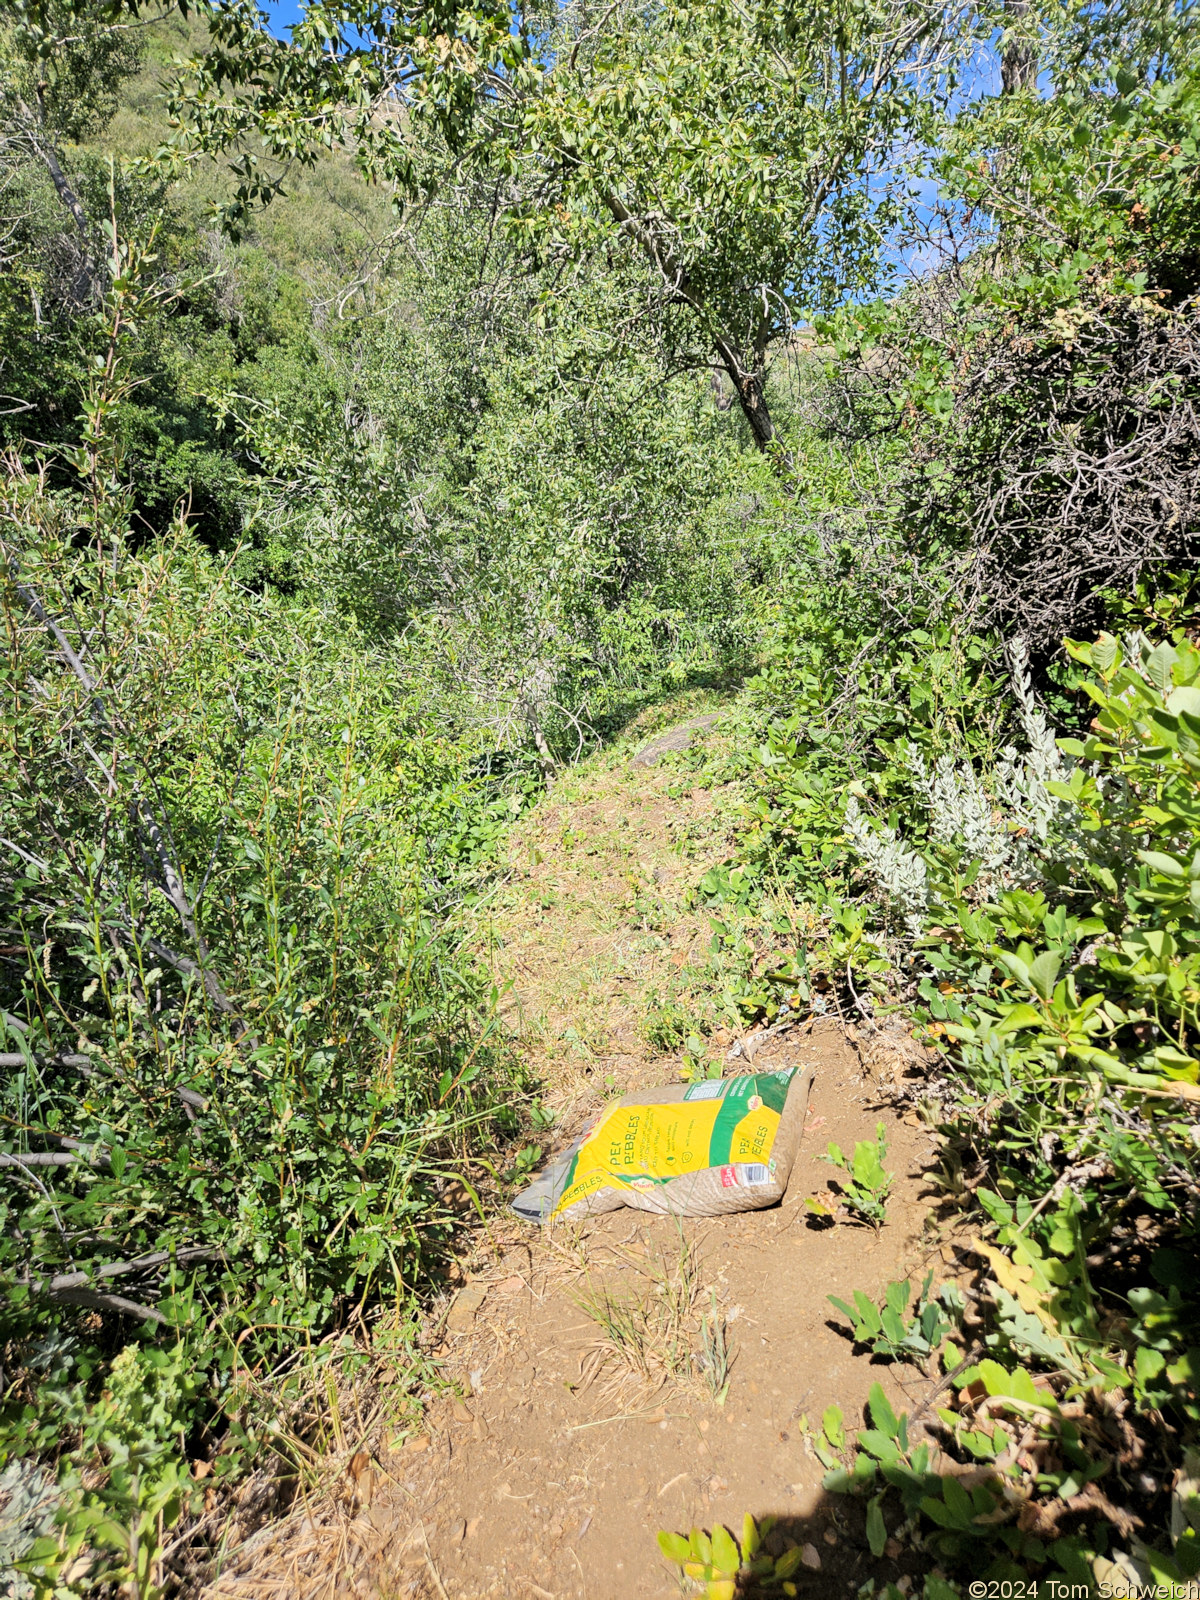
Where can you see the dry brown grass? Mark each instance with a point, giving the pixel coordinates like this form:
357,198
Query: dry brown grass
646,1334
307,1527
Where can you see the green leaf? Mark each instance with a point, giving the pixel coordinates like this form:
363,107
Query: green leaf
1159,664
998,1381
1015,1017
880,1445
832,1425
868,1312
1148,1363
1028,1332
876,1527
958,1502
981,1445
898,1296
1186,1371
1104,654
881,1411
867,1170
937,1511
788,1563
851,1316
893,1326
1166,865
1015,966
726,1556
675,1547
1043,974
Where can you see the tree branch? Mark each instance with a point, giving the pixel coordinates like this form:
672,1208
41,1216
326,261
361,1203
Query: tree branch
95,1301
36,123
39,1158
118,1269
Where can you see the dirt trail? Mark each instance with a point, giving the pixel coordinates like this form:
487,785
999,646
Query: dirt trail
552,1472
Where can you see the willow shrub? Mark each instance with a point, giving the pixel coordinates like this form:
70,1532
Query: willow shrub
242,1049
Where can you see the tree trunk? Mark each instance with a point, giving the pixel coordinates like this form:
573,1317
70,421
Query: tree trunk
1018,63
63,189
39,138
87,277
747,380
748,386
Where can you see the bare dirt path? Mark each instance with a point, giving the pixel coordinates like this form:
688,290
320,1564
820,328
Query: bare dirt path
554,1470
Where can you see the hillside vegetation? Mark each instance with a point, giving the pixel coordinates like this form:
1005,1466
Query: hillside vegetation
393,412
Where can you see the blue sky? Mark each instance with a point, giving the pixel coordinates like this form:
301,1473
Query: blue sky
281,13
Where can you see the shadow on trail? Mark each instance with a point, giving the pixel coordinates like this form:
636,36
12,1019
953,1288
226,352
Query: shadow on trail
835,1557
716,680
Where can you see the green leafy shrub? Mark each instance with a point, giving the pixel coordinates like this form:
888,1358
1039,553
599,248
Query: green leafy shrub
1089,996
868,1182
1006,1490
1060,944
718,1564
242,1045
888,1330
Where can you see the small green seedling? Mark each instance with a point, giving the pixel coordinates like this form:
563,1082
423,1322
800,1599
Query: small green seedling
832,1440
890,1331
718,1562
696,1068
527,1158
866,1192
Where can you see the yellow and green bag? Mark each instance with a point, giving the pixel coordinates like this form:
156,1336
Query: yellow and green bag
695,1150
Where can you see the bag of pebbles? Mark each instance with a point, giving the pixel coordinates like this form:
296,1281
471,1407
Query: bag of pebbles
694,1150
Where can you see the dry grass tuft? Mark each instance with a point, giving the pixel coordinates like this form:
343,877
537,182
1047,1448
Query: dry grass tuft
343,1408
647,1335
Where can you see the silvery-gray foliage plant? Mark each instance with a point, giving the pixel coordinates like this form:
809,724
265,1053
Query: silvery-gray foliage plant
1004,822
28,1504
